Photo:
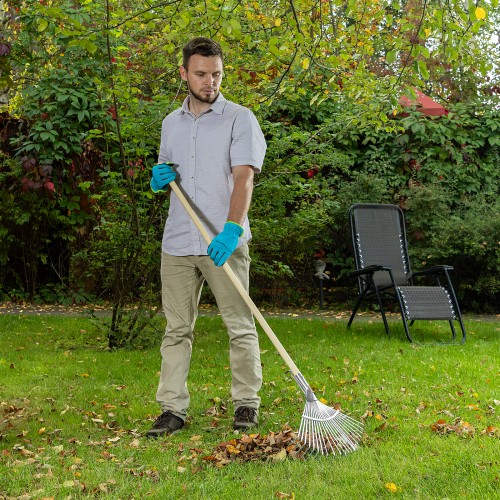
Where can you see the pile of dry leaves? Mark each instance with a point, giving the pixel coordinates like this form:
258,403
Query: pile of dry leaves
461,428
272,447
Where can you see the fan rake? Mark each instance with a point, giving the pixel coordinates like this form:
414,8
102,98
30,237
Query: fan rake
323,429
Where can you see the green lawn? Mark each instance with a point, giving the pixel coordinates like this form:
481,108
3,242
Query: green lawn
72,414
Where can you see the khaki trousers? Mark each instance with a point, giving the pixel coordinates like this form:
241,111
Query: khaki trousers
182,281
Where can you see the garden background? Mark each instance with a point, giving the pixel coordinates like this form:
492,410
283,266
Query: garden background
84,86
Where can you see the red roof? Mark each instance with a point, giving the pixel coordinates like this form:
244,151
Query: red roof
424,104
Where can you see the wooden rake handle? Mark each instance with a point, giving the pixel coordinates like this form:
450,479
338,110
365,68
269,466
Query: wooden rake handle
236,282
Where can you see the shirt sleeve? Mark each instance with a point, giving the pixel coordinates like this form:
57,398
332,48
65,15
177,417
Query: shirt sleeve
248,145
162,155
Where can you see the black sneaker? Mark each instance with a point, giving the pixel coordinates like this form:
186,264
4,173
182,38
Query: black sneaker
167,423
245,418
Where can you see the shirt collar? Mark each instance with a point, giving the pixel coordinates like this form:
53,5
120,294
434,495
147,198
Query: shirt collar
217,106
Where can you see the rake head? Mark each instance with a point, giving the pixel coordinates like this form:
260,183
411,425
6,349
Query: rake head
326,430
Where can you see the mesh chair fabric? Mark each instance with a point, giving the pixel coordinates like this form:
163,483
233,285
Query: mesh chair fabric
380,242
427,302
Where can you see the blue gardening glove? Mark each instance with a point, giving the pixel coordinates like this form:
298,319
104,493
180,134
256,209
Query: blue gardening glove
225,243
162,176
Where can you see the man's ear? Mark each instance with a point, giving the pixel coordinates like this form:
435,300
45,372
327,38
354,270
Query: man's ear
183,72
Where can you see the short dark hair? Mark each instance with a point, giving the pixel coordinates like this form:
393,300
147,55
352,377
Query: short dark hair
202,46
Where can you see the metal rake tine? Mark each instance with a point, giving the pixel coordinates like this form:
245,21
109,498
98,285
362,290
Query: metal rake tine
324,429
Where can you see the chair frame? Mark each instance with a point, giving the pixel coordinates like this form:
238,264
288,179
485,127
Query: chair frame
368,289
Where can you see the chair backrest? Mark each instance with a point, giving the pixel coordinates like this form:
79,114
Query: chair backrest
379,238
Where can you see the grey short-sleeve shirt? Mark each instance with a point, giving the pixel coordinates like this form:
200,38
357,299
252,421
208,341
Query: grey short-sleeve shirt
205,148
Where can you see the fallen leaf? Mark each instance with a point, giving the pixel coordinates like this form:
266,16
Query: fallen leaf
391,487
280,456
255,447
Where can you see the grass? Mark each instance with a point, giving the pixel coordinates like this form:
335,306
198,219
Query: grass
72,414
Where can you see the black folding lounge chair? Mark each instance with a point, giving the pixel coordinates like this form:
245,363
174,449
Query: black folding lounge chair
383,268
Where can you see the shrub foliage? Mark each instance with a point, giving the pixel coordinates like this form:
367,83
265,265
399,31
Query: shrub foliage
84,87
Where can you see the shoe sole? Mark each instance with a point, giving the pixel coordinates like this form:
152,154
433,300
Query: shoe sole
244,427
161,434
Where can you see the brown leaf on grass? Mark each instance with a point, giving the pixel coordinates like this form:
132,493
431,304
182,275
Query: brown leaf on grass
280,494
491,431
280,456
254,447
459,427
368,413
74,483
380,427
219,408
422,406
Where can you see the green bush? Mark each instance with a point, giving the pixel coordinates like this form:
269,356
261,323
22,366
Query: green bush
441,170
34,235
464,235
121,258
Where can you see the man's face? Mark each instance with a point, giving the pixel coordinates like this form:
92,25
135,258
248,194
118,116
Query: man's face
203,76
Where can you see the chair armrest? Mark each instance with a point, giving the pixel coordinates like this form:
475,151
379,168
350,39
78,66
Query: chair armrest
433,270
369,270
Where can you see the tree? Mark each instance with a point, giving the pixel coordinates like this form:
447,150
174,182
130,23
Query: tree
94,79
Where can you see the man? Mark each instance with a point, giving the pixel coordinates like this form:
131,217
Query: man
212,147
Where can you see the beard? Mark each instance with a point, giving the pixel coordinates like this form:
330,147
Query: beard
202,97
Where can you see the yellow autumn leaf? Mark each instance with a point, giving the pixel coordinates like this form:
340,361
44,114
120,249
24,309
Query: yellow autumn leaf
280,456
480,13
391,487
323,400
277,22
305,63
427,32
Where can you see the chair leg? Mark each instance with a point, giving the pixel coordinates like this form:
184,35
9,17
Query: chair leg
356,306
405,323
382,311
462,327
453,333
458,314
403,315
